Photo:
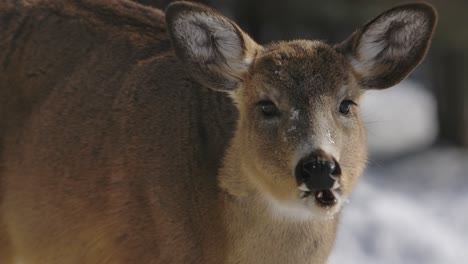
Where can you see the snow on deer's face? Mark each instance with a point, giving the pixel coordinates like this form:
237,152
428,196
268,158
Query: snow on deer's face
301,130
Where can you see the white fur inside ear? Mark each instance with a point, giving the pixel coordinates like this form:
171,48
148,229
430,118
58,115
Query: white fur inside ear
211,39
389,38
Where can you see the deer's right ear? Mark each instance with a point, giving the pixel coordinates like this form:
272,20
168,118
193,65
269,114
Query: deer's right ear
218,54
385,50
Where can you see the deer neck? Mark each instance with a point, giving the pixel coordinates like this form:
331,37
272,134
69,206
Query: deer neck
255,233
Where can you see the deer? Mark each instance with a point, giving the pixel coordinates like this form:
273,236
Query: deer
133,135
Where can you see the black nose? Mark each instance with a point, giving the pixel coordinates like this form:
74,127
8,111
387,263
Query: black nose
318,172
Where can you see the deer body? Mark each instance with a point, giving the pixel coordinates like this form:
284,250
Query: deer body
119,147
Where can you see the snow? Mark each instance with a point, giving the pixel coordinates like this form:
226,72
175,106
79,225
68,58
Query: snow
294,114
399,119
408,211
410,206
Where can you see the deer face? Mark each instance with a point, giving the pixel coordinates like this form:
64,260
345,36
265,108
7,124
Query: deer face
300,126
300,137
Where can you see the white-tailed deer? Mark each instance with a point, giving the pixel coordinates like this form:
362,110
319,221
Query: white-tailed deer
116,148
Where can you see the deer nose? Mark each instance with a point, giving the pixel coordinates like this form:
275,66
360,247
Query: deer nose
317,171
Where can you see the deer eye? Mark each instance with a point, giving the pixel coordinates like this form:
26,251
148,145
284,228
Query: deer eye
268,108
345,106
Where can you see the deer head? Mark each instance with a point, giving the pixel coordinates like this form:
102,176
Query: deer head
300,139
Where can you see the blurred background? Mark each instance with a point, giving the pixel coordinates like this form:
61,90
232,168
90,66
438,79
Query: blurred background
410,206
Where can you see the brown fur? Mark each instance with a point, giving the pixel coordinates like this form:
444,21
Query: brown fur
113,151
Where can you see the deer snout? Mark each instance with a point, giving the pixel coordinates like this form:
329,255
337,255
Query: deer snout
318,171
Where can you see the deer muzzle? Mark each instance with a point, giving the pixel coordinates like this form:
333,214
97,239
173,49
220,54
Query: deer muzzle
319,172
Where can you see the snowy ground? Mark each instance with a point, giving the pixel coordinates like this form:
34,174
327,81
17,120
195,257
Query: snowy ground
408,208
408,211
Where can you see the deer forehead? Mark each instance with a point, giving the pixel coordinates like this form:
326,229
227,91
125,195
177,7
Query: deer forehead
301,71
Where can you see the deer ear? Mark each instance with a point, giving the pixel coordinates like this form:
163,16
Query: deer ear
217,53
385,50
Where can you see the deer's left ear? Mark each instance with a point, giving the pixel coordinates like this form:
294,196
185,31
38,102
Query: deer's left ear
385,50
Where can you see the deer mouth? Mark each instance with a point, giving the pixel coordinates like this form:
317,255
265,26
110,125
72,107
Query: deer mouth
326,198
323,198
